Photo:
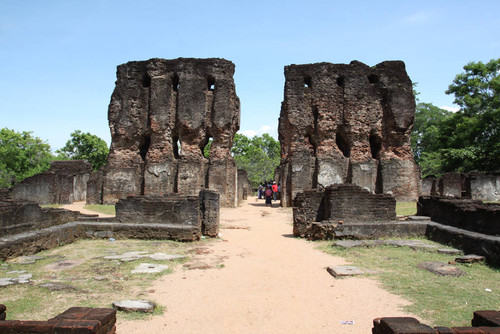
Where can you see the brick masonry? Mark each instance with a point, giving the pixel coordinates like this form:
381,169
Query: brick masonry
83,320
484,322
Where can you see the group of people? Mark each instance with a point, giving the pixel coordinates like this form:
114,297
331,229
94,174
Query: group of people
270,191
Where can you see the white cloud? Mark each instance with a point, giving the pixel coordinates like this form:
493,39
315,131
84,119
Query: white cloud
452,109
249,133
272,131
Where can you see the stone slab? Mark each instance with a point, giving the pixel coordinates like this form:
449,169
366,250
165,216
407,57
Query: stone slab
165,257
357,243
149,268
419,218
58,286
442,269
452,251
135,306
339,271
471,258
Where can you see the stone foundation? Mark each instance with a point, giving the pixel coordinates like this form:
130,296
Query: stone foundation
73,320
348,123
484,322
339,203
462,213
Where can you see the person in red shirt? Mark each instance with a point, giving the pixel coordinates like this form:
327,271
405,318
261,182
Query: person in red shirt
275,190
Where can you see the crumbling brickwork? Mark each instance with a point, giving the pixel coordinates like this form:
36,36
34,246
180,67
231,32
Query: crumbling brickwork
350,123
64,183
244,186
342,202
162,114
73,320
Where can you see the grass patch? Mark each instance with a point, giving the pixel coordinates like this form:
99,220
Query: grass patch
106,209
51,206
439,300
95,281
406,208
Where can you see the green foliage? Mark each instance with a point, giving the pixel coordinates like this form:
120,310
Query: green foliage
85,146
21,156
258,156
468,140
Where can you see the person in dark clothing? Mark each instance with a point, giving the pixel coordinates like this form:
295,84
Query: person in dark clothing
269,196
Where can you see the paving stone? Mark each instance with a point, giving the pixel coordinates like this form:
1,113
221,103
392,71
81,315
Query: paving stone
337,271
58,286
452,251
471,258
357,243
414,244
165,257
16,272
148,268
6,282
442,269
134,306
129,256
29,259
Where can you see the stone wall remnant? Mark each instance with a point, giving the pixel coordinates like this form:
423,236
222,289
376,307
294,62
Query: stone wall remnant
162,114
339,203
64,183
350,123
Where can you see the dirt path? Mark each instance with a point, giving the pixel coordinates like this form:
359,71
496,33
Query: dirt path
78,206
269,283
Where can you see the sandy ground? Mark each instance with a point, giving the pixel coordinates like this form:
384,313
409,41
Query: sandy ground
269,283
78,206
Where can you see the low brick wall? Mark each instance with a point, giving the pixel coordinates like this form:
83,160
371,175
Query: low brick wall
22,216
466,214
340,203
74,320
484,322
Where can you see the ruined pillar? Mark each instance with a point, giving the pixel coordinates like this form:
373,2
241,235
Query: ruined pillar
348,123
162,115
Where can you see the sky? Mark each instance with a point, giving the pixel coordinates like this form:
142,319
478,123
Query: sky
58,58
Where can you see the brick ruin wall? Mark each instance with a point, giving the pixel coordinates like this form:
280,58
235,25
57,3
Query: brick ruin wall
351,123
466,214
22,216
162,114
64,183
478,186
343,202
244,186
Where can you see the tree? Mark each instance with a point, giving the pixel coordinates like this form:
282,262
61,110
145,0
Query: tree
258,156
21,155
472,135
85,146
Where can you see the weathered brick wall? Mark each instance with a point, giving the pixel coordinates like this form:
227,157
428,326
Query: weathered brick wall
342,202
348,123
64,183
243,185
484,322
94,187
21,216
209,207
161,115
74,320
462,213
483,186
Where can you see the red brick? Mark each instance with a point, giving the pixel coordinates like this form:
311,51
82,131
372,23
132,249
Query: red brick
73,313
402,325
5,326
467,330
3,315
2,308
32,327
67,326
486,318
490,330
104,315
443,330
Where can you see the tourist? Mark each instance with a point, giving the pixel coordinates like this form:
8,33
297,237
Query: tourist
269,196
275,190
260,191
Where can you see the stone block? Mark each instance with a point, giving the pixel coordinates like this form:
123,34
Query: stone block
486,318
222,178
209,206
364,174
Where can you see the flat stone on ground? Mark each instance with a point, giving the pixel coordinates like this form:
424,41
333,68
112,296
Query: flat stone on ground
413,244
197,265
337,271
29,259
149,268
442,269
135,306
470,258
451,251
357,243
419,218
165,257
58,286
6,282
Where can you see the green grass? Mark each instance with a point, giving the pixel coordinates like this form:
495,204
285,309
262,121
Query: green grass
32,302
51,205
106,209
406,208
439,300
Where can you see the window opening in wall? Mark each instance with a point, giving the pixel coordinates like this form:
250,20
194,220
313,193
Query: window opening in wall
146,81
341,81
343,144
176,147
144,148
307,82
373,78
375,145
205,150
211,83
175,83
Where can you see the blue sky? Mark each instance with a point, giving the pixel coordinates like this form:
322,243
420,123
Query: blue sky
58,58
